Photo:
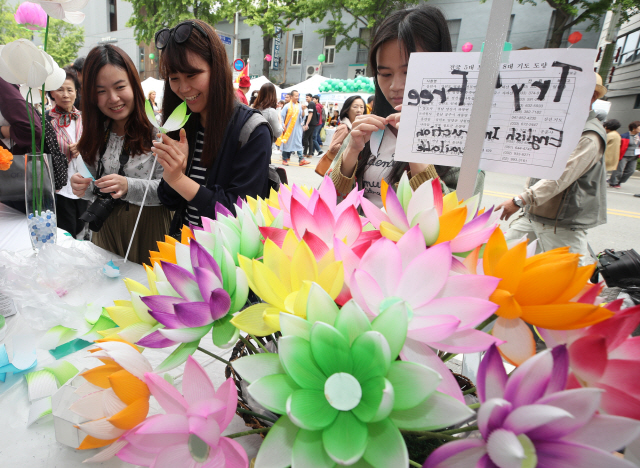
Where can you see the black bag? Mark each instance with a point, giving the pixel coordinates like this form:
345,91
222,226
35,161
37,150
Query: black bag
277,176
618,268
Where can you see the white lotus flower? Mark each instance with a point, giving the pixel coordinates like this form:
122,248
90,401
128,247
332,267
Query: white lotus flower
21,62
67,10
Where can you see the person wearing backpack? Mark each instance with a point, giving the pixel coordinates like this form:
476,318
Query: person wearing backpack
224,149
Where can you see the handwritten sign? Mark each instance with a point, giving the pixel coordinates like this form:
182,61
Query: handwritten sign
540,104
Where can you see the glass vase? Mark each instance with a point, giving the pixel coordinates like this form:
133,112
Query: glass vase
40,201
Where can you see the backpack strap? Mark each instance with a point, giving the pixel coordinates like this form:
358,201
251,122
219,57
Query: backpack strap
250,125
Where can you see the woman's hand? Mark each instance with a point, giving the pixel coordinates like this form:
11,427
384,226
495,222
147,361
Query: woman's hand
362,128
79,184
73,148
114,184
394,119
172,156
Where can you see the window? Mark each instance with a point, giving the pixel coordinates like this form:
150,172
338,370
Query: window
454,32
363,50
141,64
113,15
565,35
296,58
244,49
510,27
629,50
329,48
637,103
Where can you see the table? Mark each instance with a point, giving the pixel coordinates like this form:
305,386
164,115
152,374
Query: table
36,446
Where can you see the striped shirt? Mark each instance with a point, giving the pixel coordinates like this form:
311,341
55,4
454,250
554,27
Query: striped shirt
197,173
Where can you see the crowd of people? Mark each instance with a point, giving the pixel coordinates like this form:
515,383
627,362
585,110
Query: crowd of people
98,114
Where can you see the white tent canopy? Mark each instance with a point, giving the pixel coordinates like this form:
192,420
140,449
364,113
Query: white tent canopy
311,86
256,84
151,84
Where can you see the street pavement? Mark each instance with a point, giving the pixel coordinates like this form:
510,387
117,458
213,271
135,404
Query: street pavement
621,232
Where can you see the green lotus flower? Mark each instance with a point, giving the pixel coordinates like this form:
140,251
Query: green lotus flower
342,394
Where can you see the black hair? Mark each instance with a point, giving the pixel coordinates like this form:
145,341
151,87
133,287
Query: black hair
344,112
370,99
78,65
612,124
309,95
70,75
421,28
633,125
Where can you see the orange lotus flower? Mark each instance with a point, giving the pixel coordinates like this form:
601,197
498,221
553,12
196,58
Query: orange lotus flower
6,158
544,290
167,249
116,397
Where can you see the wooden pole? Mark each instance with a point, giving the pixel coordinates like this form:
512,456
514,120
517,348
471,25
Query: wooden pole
483,98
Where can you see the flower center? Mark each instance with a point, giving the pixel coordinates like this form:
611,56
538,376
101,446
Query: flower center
342,391
198,448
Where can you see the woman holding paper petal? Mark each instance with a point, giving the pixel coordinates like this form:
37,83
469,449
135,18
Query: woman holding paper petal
224,150
368,158
116,147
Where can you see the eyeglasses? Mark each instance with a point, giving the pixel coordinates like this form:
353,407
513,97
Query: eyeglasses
180,34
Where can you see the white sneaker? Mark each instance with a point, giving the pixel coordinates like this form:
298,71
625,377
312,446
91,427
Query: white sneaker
275,151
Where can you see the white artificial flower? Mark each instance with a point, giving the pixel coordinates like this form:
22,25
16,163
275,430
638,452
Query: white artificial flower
21,62
67,10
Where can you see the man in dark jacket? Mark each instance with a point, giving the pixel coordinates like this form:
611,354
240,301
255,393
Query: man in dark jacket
629,160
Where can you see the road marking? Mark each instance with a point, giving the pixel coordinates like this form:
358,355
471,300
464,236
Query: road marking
611,211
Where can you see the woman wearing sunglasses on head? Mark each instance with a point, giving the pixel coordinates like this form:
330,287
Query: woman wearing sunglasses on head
223,152
116,147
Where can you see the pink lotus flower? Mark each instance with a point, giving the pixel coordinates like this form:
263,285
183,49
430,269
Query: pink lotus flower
445,309
604,356
31,16
441,219
189,434
529,420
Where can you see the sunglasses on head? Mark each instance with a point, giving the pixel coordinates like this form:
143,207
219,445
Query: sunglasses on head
180,34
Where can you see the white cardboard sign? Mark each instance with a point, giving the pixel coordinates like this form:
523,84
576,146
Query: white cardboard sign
540,105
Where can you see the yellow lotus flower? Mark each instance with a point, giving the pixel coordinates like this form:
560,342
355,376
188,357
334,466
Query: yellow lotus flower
167,249
116,398
283,280
132,317
543,290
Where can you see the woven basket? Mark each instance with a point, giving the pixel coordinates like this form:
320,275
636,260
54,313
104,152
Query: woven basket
241,350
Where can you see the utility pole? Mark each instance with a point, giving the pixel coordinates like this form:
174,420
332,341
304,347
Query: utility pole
610,48
235,38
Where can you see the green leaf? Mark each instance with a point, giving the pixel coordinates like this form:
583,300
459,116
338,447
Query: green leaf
308,450
298,362
177,357
352,321
256,366
277,449
393,324
412,383
386,445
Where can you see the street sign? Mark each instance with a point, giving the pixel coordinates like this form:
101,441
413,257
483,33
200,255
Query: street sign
275,62
238,64
226,40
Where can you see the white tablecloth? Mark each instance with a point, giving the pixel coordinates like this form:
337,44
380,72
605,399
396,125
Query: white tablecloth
36,446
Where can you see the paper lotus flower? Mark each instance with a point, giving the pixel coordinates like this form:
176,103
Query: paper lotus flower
6,158
444,309
604,356
199,302
342,394
176,120
31,16
167,249
539,290
116,397
282,281
21,62
132,317
67,10
441,219
189,434
527,420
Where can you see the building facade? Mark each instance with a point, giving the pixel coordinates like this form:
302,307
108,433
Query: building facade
623,81
295,53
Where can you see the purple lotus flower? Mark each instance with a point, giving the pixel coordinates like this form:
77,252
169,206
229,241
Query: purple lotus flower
31,16
528,420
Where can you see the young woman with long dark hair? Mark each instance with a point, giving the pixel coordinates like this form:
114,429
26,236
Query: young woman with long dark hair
224,150
116,146
266,103
419,29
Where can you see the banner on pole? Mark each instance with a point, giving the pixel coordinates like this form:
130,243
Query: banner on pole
540,104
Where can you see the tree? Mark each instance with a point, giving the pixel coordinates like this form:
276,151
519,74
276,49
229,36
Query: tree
364,14
267,15
569,13
64,42
9,29
153,15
